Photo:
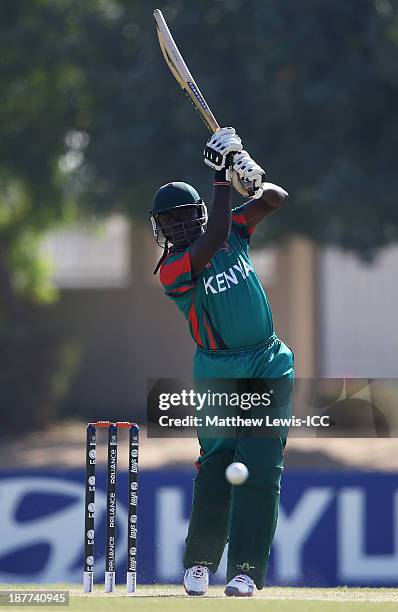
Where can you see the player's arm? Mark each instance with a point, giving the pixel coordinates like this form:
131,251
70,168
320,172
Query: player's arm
268,198
217,151
273,198
218,226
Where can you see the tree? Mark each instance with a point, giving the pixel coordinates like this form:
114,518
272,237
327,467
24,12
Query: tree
312,88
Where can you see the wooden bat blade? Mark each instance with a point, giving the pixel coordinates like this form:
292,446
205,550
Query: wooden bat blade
181,73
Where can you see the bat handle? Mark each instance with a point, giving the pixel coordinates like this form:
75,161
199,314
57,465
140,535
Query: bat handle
228,166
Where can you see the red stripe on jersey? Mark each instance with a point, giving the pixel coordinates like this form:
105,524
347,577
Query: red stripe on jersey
169,272
197,463
210,335
181,289
195,325
240,219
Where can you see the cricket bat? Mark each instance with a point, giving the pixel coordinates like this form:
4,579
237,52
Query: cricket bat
180,70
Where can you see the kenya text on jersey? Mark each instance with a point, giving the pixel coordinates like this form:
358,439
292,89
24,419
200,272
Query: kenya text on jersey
223,281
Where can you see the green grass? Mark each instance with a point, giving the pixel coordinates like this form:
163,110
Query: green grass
172,598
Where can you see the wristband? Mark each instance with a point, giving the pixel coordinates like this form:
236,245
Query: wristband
221,177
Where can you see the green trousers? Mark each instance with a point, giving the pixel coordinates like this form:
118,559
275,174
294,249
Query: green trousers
245,516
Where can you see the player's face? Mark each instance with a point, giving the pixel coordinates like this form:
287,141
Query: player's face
180,226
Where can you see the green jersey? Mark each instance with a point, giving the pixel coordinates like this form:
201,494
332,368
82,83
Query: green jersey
225,305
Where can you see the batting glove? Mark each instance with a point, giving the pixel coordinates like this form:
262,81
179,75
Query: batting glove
248,177
223,142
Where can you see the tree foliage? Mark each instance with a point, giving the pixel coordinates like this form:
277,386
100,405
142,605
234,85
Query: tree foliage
91,120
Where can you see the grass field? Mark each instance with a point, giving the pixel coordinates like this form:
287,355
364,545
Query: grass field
170,598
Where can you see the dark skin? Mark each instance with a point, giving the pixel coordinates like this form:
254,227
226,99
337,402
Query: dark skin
219,223
176,218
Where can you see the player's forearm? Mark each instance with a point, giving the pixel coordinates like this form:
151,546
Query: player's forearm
217,230
220,218
274,195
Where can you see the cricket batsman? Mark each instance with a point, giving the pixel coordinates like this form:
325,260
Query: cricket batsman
206,270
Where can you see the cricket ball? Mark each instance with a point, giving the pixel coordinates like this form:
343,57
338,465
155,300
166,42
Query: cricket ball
236,473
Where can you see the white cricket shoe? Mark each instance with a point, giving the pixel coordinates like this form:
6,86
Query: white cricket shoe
240,586
196,580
